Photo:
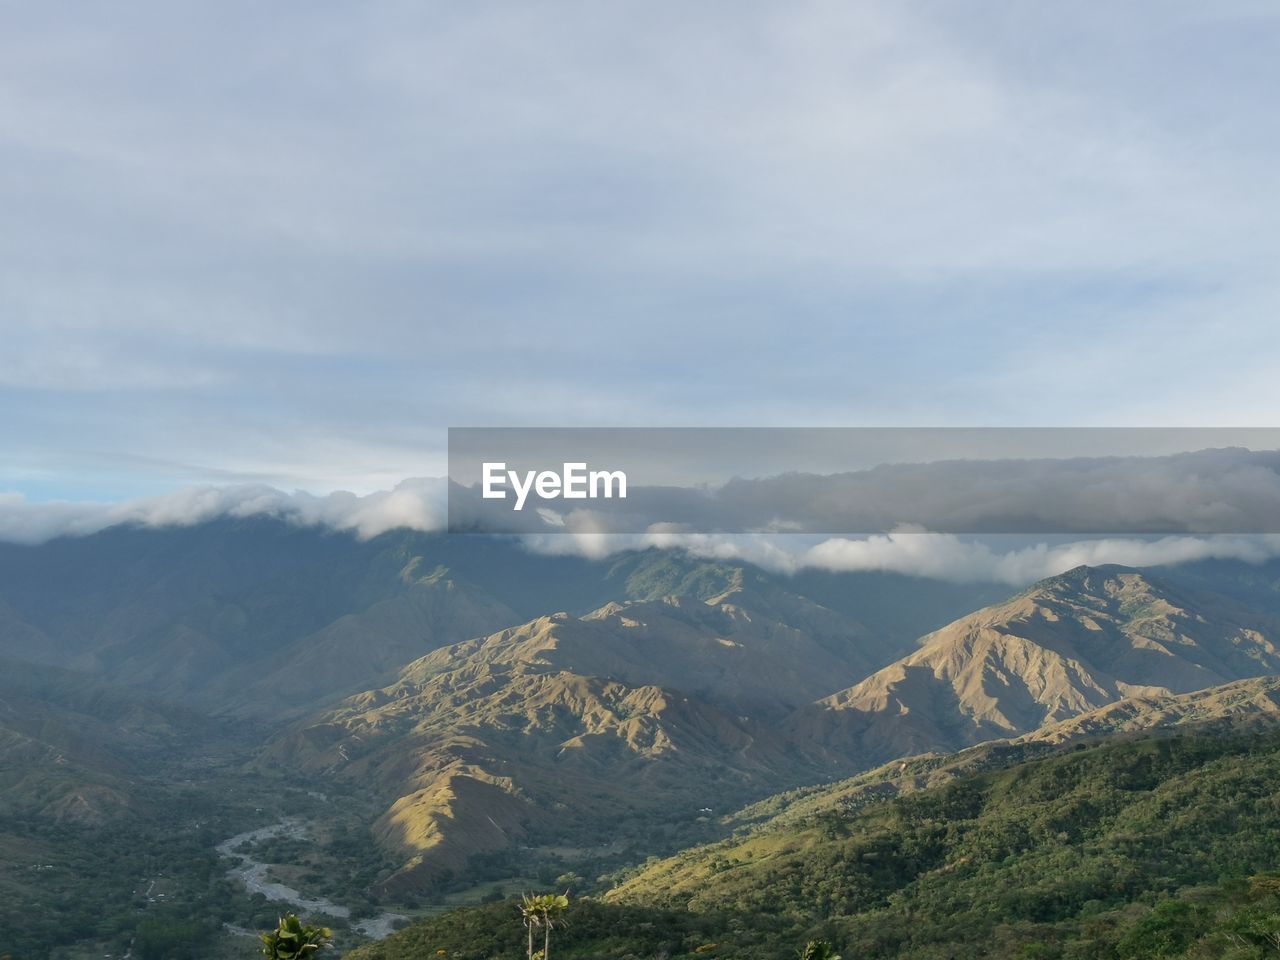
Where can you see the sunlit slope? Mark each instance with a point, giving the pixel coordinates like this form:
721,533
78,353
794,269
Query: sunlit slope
1066,646
645,711
1042,841
1059,852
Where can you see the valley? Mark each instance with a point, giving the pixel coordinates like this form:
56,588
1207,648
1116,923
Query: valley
244,718
253,874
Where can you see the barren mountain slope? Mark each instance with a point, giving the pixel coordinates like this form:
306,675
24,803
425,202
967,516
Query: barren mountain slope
1067,645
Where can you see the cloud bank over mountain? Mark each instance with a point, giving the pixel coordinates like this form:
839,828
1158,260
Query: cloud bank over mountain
417,504
420,504
948,557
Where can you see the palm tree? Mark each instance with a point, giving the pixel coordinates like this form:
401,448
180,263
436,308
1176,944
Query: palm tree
531,918
819,950
294,940
545,911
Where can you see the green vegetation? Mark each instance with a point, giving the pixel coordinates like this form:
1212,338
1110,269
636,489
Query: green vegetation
168,934
1136,849
152,879
338,859
156,881
294,940
819,950
546,912
593,929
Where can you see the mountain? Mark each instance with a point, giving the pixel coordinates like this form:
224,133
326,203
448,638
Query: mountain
1232,706
586,752
261,618
1129,850
1067,645
454,715
361,648
740,658
71,746
632,715
992,861
1253,584
1239,707
230,616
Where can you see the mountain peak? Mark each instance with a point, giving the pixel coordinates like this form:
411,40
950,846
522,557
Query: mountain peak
1087,578
1067,645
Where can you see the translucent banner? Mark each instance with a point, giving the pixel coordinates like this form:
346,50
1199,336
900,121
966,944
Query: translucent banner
1096,481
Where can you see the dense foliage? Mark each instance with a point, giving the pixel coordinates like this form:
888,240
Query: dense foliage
292,939
153,880
1130,850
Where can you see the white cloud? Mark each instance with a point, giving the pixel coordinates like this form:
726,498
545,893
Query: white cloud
950,558
417,504
369,221
421,504
939,556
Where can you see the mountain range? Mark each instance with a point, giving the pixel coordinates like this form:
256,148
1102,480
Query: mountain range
260,618
496,714
651,710
660,708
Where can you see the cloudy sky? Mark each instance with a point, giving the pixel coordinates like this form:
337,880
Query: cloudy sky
291,243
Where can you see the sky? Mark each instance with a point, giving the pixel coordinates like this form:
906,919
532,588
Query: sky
289,244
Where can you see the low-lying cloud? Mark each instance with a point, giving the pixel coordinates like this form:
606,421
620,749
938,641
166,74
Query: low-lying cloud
420,504
416,504
949,557
942,556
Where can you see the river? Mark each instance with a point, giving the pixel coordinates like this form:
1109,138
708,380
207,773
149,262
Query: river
253,874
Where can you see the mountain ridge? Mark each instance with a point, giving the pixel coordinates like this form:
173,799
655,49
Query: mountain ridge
1064,646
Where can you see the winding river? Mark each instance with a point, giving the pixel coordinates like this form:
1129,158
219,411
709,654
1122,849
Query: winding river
253,874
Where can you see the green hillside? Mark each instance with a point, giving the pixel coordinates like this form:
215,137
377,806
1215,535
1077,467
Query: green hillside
1131,849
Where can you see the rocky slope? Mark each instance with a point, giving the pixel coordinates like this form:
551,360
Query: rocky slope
639,712
1066,646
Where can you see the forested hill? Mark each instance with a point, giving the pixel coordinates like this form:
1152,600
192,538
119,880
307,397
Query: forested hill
1125,850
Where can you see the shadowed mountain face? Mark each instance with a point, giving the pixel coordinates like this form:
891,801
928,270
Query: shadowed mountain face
71,746
1067,646
262,619
255,617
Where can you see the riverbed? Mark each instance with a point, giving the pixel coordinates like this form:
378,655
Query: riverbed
253,874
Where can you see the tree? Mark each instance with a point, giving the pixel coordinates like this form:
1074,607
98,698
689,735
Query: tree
819,950
170,937
530,917
294,940
545,911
